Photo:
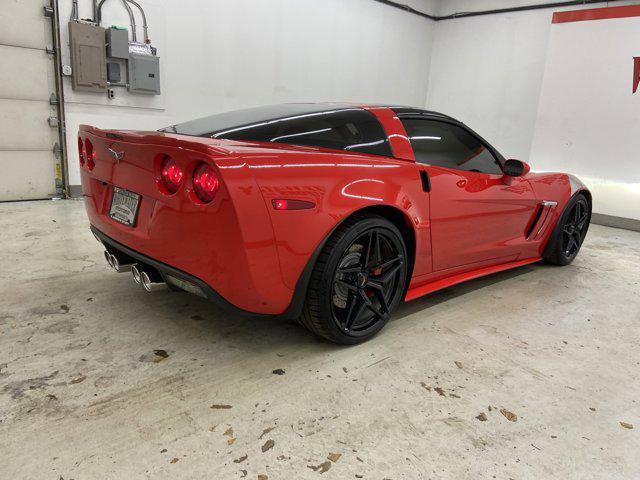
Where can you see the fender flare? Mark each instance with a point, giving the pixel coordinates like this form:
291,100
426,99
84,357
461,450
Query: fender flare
294,310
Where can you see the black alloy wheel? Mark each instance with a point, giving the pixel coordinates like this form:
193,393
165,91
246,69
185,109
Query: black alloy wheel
570,232
365,282
574,228
357,282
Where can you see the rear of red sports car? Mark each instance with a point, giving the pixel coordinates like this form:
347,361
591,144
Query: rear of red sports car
163,203
189,210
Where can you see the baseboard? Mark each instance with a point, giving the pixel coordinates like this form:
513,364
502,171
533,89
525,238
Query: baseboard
75,191
616,222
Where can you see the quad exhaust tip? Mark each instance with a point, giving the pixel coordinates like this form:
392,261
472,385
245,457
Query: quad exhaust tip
116,264
149,285
149,279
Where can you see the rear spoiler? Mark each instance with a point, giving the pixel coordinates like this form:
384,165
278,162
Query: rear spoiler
199,144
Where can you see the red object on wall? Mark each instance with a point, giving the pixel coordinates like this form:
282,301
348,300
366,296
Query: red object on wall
596,14
636,73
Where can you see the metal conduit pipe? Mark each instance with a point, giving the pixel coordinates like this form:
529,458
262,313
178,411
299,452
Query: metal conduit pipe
144,20
407,8
98,18
522,8
132,19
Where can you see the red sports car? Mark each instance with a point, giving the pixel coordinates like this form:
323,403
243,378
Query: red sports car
328,213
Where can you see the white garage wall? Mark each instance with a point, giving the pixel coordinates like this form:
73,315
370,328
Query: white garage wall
218,55
588,116
488,71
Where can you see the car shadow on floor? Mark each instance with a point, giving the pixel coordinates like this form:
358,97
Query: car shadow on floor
252,334
464,288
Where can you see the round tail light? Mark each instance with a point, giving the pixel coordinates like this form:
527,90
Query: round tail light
90,154
81,151
171,175
205,182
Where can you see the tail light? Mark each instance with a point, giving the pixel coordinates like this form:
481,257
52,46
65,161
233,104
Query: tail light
90,154
171,174
205,182
81,151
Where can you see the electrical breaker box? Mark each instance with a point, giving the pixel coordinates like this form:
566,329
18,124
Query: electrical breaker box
88,57
144,74
118,43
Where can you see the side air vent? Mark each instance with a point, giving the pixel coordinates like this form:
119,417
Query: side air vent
426,183
542,220
534,221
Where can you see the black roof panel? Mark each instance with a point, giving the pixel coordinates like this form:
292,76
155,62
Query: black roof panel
223,122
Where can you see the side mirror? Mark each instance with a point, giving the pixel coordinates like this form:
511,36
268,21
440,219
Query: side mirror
516,168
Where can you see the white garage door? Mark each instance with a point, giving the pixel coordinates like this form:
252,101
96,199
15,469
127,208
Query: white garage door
27,80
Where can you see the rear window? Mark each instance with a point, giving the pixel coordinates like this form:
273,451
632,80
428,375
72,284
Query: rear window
350,129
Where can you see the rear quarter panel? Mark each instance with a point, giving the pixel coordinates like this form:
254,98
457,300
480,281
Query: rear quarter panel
339,185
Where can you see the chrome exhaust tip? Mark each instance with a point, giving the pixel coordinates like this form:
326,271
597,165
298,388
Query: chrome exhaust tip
117,266
107,257
137,276
149,285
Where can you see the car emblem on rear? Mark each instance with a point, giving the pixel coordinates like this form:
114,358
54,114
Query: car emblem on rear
115,154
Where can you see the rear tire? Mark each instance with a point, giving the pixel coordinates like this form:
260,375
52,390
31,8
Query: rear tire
569,233
357,281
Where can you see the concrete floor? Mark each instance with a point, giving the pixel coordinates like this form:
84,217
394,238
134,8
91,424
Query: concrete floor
86,393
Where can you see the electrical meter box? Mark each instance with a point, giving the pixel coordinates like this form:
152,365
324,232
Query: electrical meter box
144,74
88,57
118,43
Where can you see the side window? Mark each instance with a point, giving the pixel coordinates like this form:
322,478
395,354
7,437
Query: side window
445,145
353,130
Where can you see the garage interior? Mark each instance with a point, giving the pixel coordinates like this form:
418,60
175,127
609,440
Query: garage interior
529,373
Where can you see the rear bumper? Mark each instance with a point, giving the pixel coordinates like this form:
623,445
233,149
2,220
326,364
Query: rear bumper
235,254
168,272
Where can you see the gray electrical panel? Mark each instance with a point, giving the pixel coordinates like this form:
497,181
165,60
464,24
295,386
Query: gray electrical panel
144,74
88,57
118,43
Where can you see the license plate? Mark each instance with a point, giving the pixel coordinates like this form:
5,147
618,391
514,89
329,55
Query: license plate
124,206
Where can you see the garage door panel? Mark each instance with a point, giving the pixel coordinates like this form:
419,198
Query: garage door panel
22,22
27,175
25,74
23,125
27,80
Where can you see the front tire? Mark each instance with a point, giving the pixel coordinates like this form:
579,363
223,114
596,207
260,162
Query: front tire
357,281
569,233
